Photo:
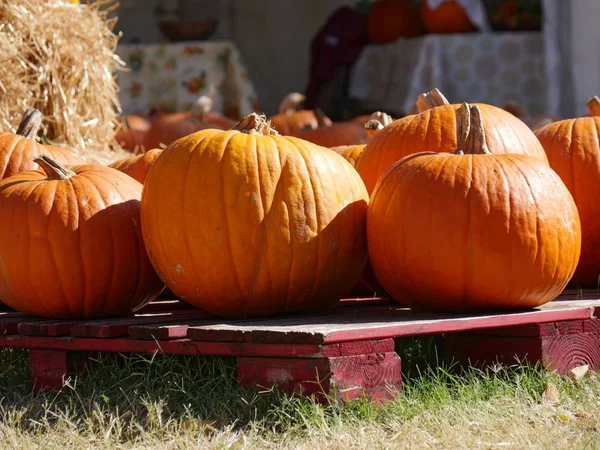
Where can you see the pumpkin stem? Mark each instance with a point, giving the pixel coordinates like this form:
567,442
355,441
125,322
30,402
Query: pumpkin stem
322,119
255,124
53,169
470,133
202,107
290,102
376,122
30,123
429,100
593,106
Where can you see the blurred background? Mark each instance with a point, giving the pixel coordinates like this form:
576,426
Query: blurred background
351,57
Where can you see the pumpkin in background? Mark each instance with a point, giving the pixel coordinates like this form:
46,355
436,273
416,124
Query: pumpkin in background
434,129
137,167
71,243
289,121
351,153
448,17
336,134
132,132
167,128
247,223
392,19
18,150
520,112
574,153
471,230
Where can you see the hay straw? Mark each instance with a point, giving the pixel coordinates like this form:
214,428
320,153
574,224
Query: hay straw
60,58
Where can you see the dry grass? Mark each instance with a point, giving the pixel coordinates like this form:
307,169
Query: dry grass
59,57
188,403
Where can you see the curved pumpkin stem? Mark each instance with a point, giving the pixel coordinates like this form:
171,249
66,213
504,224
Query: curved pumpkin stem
290,102
202,107
53,169
593,106
322,119
255,124
470,133
30,123
429,100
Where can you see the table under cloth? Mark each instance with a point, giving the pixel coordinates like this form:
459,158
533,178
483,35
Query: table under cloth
172,76
475,67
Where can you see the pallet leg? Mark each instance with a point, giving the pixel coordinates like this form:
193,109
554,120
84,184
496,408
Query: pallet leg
558,346
48,369
344,376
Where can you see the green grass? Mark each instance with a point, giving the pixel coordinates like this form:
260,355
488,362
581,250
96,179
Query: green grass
191,402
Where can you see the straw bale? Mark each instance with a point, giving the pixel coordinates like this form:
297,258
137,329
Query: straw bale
59,57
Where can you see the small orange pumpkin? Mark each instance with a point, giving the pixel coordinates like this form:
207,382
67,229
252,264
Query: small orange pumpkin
137,167
434,129
573,150
18,150
290,121
392,19
71,245
247,223
132,132
472,230
336,134
448,17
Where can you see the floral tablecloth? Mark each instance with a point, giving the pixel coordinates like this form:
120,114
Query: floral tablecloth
172,76
475,67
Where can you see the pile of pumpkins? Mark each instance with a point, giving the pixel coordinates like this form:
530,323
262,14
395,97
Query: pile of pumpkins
453,208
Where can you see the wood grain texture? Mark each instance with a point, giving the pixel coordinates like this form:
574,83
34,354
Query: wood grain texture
48,369
563,353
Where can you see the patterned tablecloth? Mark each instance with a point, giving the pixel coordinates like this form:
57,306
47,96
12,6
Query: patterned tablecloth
475,67
172,76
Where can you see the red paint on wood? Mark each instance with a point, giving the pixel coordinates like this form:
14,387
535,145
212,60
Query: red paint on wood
480,351
531,330
162,332
570,327
46,328
591,326
359,347
48,369
563,353
9,323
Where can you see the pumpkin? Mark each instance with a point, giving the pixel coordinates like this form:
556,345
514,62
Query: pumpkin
519,111
289,121
471,230
376,122
71,244
389,20
18,150
167,128
336,134
448,17
434,129
247,223
574,153
137,167
132,132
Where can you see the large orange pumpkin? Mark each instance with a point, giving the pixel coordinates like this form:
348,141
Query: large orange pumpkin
18,150
167,128
448,17
434,129
289,121
392,19
246,223
71,243
132,132
471,230
137,167
573,150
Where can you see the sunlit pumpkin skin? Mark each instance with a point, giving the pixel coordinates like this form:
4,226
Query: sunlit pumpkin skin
392,19
71,244
473,231
351,153
574,153
167,128
132,133
247,223
18,150
137,167
448,17
289,121
435,130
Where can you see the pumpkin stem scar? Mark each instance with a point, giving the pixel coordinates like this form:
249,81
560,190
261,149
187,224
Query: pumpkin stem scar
431,99
30,123
53,169
470,133
255,124
593,106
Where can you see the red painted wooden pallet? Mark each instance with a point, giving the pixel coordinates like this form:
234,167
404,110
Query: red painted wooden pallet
348,349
